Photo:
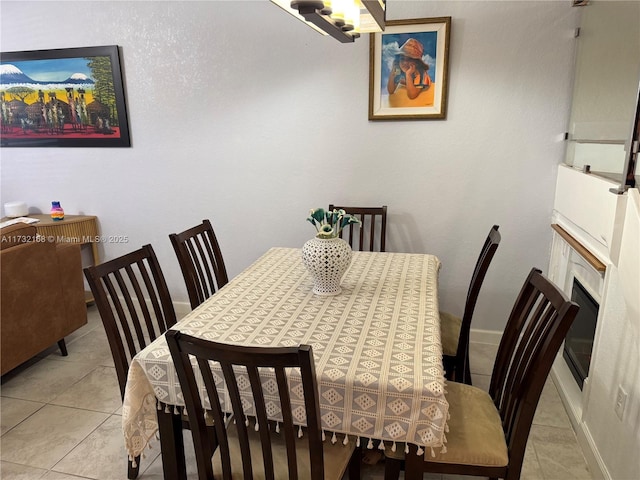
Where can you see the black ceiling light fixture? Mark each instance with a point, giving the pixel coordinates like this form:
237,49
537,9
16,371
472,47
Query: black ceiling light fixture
344,20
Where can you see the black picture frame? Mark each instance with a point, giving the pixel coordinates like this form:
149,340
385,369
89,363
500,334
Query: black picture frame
70,97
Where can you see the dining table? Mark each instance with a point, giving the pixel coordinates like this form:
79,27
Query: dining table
376,345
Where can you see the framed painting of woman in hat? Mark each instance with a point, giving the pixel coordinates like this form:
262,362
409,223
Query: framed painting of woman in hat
408,70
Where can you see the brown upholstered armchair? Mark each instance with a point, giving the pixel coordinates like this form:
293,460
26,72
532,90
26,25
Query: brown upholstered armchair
42,294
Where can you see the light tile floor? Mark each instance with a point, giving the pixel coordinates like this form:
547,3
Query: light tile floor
61,420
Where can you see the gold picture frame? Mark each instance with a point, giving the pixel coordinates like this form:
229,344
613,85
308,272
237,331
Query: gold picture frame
418,48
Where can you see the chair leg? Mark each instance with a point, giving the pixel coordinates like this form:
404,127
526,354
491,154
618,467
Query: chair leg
132,472
392,467
414,464
449,368
171,445
213,438
354,464
461,370
467,374
63,347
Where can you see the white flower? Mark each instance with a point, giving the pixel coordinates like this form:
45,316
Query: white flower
329,224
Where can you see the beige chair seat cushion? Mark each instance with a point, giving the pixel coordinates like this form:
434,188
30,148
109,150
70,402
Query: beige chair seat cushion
475,434
450,332
336,456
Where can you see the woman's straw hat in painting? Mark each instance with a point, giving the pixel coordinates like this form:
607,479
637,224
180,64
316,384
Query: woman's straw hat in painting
412,48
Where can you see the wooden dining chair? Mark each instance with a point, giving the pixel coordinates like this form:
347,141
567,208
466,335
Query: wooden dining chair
253,447
135,306
201,261
368,231
455,330
488,432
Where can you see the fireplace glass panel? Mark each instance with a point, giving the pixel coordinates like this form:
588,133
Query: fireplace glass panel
579,341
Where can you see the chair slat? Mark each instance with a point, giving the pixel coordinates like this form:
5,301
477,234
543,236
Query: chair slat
287,419
240,418
119,321
140,296
257,364
261,422
201,261
368,228
201,441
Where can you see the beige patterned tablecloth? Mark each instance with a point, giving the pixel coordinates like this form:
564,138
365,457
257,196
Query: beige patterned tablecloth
376,345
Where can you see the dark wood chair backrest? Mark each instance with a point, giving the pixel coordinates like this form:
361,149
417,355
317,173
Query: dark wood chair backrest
479,272
537,326
366,233
134,303
254,361
201,261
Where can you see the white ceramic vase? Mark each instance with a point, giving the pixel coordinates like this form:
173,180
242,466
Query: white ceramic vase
326,259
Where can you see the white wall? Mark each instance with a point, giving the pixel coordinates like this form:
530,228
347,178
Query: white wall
241,114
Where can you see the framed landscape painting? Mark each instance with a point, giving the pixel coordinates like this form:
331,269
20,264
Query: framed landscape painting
408,70
70,97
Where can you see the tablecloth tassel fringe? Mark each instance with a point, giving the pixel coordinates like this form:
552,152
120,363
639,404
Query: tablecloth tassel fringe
406,449
278,427
370,444
334,439
358,441
159,405
393,447
381,446
444,446
142,455
134,464
166,408
157,435
176,410
300,431
324,437
420,451
246,421
346,439
257,427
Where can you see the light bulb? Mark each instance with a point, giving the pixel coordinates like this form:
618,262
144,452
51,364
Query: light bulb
338,10
352,16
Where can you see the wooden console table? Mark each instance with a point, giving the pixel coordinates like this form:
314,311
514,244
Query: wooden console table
82,229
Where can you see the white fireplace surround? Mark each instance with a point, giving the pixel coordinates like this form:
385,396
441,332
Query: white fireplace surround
566,264
606,225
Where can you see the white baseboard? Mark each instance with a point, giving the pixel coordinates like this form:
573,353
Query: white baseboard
597,467
572,400
181,308
491,337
